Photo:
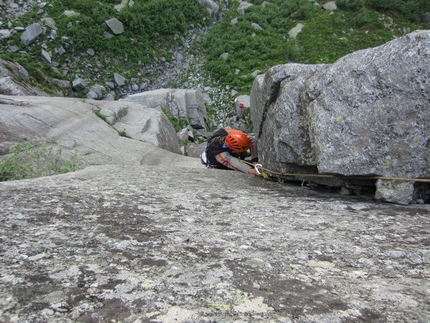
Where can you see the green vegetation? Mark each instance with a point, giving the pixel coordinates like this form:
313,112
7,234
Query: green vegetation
144,23
178,123
151,30
325,37
411,10
121,133
30,161
101,116
211,112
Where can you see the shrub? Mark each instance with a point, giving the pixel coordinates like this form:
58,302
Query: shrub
151,27
31,162
352,5
165,17
410,9
177,123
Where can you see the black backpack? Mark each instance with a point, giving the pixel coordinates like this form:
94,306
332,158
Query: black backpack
203,157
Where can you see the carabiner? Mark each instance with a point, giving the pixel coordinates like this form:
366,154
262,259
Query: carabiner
257,166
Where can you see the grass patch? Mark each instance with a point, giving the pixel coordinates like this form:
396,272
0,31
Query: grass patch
177,123
30,161
101,116
326,36
121,133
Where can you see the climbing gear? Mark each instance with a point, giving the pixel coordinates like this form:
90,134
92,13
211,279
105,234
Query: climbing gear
257,168
280,175
237,141
217,145
204,159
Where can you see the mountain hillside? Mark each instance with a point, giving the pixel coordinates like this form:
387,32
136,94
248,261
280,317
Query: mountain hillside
180,44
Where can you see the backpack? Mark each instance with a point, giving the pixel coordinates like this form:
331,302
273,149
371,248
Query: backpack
203,157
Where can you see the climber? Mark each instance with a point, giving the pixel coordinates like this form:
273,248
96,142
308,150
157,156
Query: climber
225,149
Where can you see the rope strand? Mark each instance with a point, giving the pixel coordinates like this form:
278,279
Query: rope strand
408,179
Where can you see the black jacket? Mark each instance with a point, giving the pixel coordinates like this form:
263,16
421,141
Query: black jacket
224,158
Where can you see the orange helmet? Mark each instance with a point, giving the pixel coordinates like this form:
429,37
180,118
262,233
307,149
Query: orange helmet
237,141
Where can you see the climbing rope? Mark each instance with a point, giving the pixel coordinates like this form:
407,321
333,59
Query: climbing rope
262,170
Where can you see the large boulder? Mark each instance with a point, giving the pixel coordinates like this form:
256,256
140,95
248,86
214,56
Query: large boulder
366,114
74,124
180,103
141,123
15,80
31,33
115,26
371,110
276,114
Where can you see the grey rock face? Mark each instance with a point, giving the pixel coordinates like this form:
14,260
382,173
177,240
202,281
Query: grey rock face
78,85
16,81
115,26
46,56
243,6
371,110
71,13
398,192
142,123
256,26
366,114
278,116
181,243
296,30
123,4
241,103
9,87
48,21
31,33
331,5
119,79
179,102
73,124
97,92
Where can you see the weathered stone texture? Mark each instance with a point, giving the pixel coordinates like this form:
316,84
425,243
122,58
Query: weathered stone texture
211,6
366,114
73,124
115,26
188,244
369,112
14,80
179,103
31,33
142,123
278,115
